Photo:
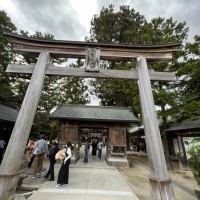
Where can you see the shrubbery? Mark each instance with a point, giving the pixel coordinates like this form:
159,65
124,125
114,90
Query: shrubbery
194,161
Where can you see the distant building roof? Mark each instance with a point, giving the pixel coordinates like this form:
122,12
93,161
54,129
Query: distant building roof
8,112
137,129
94,113
185,127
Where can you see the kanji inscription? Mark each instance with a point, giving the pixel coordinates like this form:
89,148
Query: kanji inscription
92,59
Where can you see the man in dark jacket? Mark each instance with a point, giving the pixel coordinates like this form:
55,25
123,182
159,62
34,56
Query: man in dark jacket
52,161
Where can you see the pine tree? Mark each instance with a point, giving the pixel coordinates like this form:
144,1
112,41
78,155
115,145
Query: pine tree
6,56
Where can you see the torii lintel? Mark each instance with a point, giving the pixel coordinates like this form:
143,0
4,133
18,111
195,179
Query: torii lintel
76,49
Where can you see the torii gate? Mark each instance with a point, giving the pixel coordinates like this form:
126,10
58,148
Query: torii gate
161,185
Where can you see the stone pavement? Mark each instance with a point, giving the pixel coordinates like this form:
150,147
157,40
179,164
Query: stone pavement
96,180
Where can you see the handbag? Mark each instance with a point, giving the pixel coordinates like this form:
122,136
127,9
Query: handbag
60,155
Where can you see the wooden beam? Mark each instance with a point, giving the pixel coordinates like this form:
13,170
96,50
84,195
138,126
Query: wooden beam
110,55
80,72
76,49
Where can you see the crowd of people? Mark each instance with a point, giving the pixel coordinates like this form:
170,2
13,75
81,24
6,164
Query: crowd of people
97,146
37,150
138,145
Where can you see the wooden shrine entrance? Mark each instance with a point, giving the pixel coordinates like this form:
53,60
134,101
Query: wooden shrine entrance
107,123
161,185
90,132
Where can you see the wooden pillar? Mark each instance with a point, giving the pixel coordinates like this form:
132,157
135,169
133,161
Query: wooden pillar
161,185
69,132
182,154
117,141
15,149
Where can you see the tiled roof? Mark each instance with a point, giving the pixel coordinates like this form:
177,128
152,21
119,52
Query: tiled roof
137,129
8,112
185,126
94,113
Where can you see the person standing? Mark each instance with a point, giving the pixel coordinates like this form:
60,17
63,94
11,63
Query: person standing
52,161
32,157
86,150
2,147
29,149
99,147
94,148
40,149
63,174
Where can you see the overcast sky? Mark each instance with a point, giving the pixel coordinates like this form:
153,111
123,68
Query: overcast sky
70,19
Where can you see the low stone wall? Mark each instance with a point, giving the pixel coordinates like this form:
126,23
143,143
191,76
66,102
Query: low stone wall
117,161
75,157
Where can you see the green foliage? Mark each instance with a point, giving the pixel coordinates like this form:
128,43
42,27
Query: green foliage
197,192
189,85
179,101
130,27
194,161
6,56
56,90
29,58
125,26
164,31
166,96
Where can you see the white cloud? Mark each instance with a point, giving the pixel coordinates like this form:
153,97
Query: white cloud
70,20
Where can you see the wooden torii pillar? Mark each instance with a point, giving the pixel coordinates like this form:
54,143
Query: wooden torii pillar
161,185
9,170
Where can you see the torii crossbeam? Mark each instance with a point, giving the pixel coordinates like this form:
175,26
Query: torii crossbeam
161,185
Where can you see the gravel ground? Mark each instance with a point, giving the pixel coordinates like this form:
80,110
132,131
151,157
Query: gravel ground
138,178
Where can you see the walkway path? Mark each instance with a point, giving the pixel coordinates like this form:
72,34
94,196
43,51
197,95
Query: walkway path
94,180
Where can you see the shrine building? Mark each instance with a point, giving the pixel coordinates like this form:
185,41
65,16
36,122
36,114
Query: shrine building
106,123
